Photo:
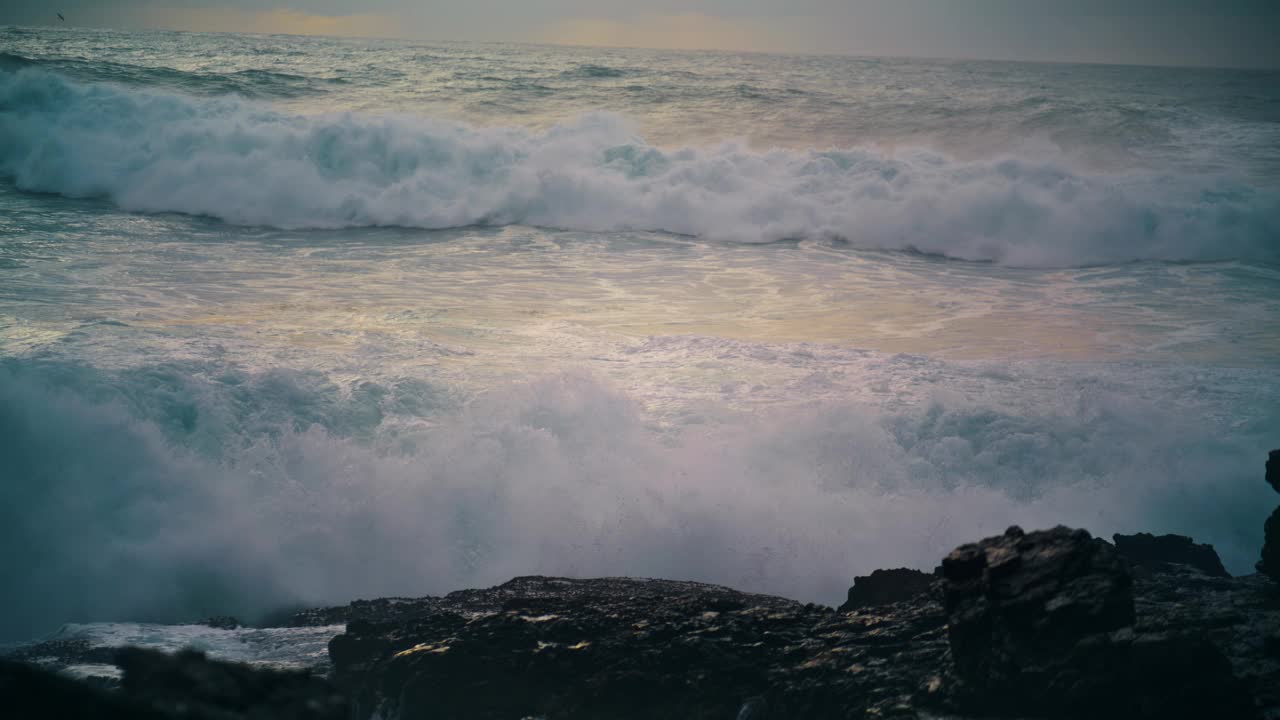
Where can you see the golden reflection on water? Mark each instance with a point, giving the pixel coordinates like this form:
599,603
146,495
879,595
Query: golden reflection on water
517,299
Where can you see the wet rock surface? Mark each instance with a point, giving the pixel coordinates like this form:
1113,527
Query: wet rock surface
1155,553
626,648
885,587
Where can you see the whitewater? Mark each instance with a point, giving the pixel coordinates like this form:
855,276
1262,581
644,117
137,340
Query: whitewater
290,321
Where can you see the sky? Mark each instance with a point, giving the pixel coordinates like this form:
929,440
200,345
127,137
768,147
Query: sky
1236,33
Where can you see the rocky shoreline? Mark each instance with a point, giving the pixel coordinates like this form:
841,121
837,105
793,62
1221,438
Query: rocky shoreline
1047,624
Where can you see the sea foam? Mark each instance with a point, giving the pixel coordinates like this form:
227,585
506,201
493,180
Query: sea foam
249,164
176,491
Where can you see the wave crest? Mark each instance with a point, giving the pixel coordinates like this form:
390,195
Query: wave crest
247,164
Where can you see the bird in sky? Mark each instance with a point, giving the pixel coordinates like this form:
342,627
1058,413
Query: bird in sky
61,18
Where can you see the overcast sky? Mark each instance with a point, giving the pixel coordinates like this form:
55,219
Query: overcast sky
1180,32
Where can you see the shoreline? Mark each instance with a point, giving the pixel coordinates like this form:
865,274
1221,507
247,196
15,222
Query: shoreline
1065,625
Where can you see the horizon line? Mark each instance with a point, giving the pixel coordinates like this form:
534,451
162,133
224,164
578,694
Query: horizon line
67,27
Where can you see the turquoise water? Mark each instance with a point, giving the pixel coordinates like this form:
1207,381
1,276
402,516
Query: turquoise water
298,320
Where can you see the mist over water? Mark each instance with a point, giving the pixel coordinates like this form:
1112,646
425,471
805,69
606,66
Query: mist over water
153,494
295,320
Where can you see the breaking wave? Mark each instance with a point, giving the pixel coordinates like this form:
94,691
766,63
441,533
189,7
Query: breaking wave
174,491
246,163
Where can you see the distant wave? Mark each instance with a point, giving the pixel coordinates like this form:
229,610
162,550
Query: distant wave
246,163
252,83
594,71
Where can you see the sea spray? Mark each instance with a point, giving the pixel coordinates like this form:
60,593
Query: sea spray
251,499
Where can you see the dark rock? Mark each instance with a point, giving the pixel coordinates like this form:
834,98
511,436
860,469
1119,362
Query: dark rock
754,709
1021,600
621,648
1053,624
188,684
1046,624
1157,552
1269,565
221,622
1042,624
885,587
156,686
378,610
1150,675
1237,615
28,692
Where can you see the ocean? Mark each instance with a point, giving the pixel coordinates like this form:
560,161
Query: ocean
289,321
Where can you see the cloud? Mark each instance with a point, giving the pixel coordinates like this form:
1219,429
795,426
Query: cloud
279,20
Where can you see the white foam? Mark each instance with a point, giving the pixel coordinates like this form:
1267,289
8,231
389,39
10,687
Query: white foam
288,648
84,671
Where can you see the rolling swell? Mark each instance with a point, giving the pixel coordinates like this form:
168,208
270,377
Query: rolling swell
248,164
253,83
